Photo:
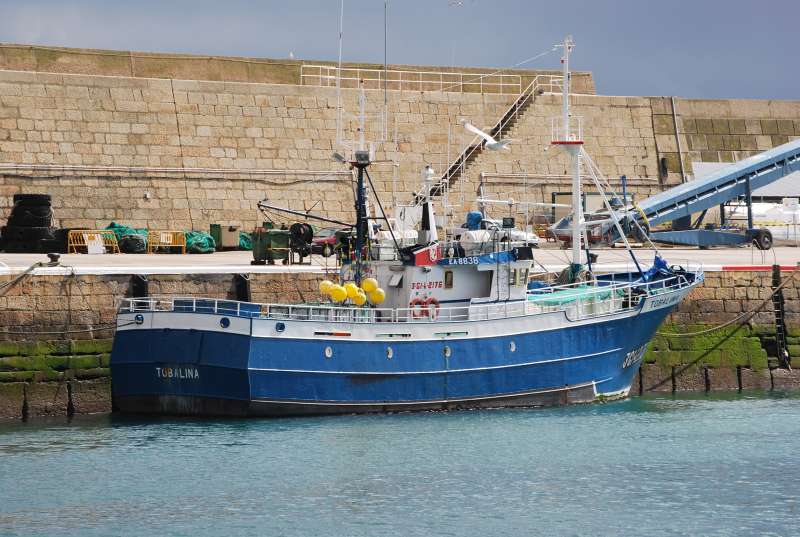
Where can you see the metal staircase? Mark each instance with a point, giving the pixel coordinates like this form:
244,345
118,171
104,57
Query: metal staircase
538,85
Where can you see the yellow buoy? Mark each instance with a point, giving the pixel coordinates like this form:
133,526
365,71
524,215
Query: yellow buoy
377,296
360,299
352,289
369,284
325,286
338,293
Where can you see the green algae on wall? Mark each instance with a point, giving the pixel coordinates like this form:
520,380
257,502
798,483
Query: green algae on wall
54,360
729,347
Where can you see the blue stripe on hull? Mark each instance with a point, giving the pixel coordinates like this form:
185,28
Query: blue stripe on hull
238,367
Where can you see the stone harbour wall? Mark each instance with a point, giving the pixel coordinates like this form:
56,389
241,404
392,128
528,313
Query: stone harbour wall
14,57
721,130
619,137
276,140
172,141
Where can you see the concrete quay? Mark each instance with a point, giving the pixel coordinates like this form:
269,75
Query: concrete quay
235,262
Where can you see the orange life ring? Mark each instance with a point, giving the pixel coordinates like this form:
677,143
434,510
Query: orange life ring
421,307
417,307
432,308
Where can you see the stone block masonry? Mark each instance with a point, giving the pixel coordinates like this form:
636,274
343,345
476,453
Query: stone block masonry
720,130
221,135
242,69
740,356
175,141
169,201
619,138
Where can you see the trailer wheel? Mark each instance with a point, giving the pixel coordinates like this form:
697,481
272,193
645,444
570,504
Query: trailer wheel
642,232
763,239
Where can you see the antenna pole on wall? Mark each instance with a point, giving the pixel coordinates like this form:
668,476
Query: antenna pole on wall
385,70
339,79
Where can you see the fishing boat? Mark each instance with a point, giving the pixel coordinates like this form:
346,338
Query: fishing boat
439,326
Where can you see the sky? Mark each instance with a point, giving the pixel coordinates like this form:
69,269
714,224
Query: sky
685,48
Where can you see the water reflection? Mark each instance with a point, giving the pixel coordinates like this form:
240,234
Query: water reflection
715,465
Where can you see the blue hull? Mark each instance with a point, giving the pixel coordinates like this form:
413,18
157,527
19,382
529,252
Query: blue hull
211,372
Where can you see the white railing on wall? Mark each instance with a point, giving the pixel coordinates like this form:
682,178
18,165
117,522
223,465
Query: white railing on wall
395,79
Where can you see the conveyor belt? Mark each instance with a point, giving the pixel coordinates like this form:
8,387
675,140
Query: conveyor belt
723,185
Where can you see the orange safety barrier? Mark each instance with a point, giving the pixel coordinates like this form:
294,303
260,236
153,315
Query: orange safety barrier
543,232
92,241
165,239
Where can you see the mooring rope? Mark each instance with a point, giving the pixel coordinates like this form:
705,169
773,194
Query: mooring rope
76,331
746,315
4,287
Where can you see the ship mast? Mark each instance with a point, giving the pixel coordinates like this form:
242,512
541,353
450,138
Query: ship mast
361,162
567,133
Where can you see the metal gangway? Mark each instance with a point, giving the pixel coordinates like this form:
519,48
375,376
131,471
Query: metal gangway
731,182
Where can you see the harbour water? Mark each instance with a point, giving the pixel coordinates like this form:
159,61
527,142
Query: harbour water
725,464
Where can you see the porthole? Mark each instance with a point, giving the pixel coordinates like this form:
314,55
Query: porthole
224,322
280,327
389,353
447,351
512,346
328,352
139,318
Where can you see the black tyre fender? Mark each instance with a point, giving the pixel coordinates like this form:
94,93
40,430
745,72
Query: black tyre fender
24,247
35,210
27,219
32,199
26,234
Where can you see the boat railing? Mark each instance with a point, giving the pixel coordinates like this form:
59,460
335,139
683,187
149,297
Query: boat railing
578,301
602,297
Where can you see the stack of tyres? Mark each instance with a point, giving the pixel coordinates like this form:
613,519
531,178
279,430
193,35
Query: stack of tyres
29,226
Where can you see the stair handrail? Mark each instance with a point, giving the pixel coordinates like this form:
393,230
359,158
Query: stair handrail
477,142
